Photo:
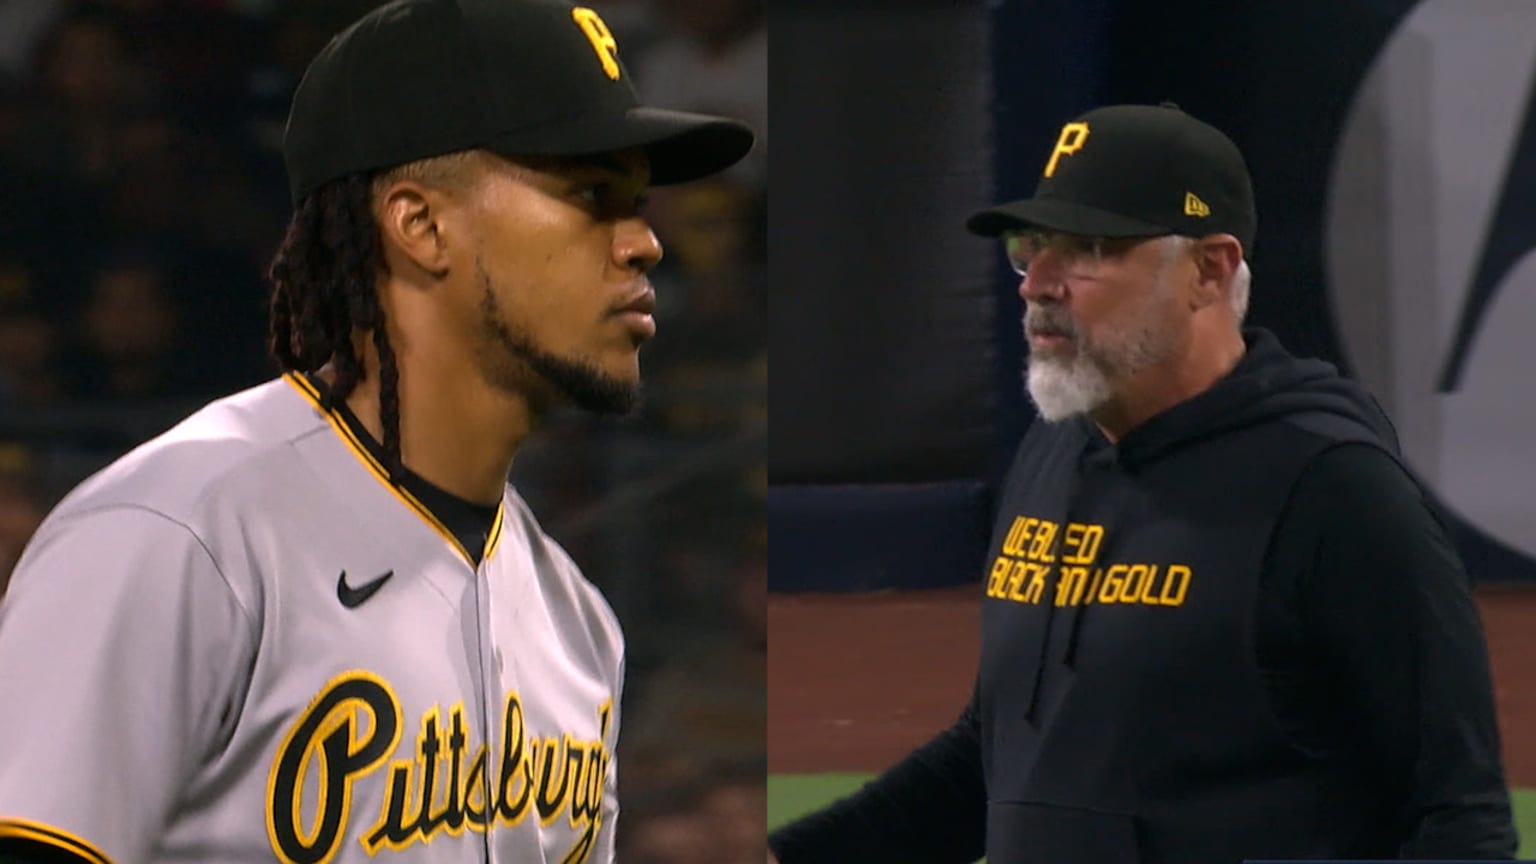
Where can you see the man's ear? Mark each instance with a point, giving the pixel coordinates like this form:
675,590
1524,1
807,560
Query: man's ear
411,223
1217,257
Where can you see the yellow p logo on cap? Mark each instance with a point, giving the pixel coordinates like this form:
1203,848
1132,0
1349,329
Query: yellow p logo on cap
602,40
1073,136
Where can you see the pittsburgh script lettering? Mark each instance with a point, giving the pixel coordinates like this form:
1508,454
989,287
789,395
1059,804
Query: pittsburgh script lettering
439,785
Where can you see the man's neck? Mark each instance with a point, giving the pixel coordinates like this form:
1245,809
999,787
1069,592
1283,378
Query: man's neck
456,432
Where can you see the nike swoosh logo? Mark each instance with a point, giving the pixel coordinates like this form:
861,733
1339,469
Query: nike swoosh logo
354,597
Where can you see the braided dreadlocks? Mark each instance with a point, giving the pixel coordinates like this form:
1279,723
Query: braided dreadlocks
323,283
323,290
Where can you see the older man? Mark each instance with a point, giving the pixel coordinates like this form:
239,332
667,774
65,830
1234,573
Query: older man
1221,621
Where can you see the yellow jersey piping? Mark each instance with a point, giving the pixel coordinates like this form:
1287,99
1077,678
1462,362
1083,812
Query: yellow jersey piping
349,438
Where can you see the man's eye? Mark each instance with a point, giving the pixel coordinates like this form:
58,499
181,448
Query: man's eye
608,198
1078,247
593,193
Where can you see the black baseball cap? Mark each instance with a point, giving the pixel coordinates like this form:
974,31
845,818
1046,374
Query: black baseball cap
1135,171
420,78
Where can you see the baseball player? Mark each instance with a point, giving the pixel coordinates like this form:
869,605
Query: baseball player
313,623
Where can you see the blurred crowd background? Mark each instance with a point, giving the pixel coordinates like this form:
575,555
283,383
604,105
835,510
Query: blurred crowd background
143,191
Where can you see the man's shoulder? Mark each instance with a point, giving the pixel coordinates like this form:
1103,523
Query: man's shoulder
1357,472
204,454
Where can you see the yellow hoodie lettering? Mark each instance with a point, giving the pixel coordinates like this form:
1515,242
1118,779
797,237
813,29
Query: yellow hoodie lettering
1039,553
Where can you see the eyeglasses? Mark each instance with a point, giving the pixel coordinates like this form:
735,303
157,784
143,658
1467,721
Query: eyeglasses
1077,255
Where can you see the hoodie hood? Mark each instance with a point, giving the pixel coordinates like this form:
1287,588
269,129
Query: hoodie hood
1267,383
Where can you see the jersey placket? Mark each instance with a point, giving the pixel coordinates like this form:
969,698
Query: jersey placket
487,673
489,663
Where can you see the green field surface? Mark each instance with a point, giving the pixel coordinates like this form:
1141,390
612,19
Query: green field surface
789,795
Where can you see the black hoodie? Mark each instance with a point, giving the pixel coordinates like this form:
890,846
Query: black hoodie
1238,633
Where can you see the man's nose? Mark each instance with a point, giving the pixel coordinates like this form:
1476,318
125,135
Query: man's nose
635,246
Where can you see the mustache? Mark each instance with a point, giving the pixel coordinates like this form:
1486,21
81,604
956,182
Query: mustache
1049,321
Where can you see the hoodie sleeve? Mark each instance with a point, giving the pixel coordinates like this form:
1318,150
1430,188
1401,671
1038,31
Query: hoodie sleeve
930,808
1388,608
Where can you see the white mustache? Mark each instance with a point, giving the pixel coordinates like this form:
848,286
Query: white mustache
1039,320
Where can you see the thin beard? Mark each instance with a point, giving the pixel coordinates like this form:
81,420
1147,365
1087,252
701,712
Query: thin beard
579,381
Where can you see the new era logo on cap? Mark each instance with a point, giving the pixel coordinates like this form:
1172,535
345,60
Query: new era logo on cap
1130,171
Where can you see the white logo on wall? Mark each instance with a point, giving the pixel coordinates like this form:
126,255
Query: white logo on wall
1416,184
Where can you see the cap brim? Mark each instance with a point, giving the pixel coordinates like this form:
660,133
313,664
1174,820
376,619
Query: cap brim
681,146
1067,217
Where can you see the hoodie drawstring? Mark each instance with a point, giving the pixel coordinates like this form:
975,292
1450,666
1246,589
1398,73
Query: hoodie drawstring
1070,661
1045,652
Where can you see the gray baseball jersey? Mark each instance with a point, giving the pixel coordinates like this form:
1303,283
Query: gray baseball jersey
239,643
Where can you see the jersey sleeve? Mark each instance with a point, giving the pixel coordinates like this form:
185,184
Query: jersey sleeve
121,650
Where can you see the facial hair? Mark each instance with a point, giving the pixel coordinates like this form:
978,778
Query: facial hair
579,381
1065,386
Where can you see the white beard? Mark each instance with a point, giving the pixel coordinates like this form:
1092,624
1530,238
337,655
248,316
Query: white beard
1082,381
1064,387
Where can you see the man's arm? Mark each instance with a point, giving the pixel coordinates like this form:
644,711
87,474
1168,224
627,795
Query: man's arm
1389,607
121,651
931,808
